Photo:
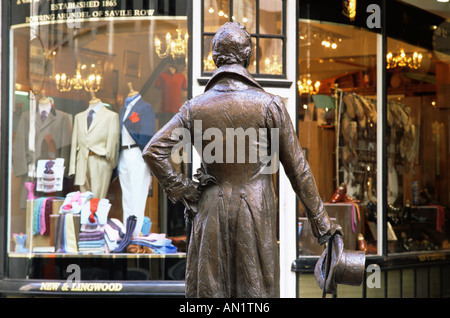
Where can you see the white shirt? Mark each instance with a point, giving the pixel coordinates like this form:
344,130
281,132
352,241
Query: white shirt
47,107
126,137
96,107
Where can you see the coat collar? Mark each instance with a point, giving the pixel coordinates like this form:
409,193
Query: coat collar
234,69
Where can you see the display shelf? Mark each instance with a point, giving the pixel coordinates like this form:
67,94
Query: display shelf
94,255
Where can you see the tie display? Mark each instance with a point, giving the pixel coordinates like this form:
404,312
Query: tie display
90,117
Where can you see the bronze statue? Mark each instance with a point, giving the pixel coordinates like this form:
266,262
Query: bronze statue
233,250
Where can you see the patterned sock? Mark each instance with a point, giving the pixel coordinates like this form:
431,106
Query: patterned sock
131,224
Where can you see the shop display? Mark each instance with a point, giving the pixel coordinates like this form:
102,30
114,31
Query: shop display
20,240
69,180
95,148
43,133
82,225
65,237
357,145
30,188
49,175
137,127
146,226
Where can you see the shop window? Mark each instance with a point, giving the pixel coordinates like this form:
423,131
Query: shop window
263,19
417,129
337,128
70,199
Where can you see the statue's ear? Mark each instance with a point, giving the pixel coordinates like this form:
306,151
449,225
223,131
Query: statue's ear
248,53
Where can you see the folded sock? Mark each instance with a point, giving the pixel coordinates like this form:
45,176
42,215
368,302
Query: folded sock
131,224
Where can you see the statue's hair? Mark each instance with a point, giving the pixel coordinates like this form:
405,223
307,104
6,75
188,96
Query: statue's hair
232,44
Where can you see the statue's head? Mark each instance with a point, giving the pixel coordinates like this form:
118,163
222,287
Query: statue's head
232,44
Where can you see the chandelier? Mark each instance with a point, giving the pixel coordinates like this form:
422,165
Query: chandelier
208,63
91,82
273,67
305,86
329,43
403,60
176,48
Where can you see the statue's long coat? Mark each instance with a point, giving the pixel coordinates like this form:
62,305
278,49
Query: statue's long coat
233,250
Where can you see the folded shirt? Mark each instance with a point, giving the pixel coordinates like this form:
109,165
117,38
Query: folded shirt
91,236
91,228
162,246
74,201
98,243
101,215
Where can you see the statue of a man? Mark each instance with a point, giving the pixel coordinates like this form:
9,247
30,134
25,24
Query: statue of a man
233,249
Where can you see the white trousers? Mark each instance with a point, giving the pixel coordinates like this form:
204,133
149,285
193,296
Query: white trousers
134,176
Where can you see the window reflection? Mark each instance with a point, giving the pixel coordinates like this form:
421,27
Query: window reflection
270,17
271,58
215,14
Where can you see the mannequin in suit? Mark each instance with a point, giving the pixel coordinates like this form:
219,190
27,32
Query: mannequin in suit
137,127
95,148
52,137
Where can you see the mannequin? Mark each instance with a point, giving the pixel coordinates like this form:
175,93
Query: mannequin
95,148
52,137
137,127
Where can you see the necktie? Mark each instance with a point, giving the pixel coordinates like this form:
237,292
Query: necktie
90,117
44,115
93,208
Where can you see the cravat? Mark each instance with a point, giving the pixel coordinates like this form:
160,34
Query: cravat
44,115
90,117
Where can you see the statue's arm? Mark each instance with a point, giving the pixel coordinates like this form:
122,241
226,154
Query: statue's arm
162,150
298,171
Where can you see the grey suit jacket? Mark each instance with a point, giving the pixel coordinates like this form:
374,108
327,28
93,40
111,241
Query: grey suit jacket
58,126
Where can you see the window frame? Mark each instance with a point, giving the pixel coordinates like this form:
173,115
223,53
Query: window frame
257,36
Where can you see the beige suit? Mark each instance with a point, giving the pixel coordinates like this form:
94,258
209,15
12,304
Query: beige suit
95,151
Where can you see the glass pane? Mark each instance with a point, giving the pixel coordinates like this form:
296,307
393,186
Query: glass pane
252,66
337,115
244,12
208,63
72,186
271,17
417,145
271,58
216,13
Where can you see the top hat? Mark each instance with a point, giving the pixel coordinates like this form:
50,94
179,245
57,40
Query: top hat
339,266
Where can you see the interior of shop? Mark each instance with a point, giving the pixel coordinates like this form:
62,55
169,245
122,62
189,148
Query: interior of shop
106,61
338,127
